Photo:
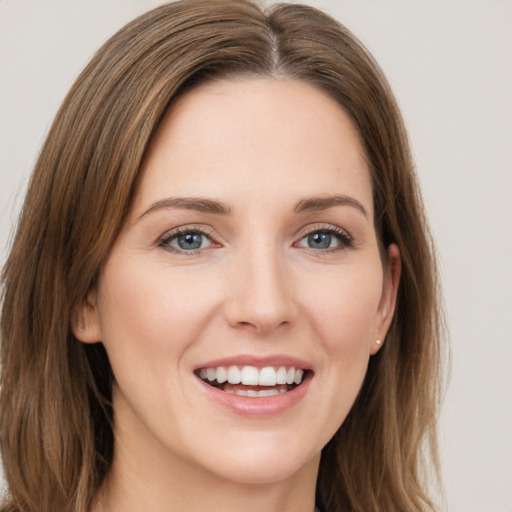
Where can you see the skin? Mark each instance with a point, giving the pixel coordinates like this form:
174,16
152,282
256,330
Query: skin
255,287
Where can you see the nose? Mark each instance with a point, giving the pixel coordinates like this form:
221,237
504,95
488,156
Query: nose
260,296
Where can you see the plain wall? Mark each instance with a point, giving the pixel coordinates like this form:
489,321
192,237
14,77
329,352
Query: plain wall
450,63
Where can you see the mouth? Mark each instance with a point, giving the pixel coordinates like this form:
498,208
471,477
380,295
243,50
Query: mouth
252,381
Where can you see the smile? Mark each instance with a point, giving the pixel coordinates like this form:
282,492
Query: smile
251,381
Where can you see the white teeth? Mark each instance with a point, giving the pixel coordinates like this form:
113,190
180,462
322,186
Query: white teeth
222,375
281,375
267,376
269,392
249,376
252,376
234,375
253,394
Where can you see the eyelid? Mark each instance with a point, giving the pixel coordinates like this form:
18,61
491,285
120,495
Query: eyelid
333,228
345,238
165,239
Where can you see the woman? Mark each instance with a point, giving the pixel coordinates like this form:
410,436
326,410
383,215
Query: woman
222,291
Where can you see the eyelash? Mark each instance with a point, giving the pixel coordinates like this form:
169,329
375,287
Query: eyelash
166,240
341,235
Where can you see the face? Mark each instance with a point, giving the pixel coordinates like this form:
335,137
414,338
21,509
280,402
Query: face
244,295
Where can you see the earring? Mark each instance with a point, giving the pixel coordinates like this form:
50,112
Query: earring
378,342
82,329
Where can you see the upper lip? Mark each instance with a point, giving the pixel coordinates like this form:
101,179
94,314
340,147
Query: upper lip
257,361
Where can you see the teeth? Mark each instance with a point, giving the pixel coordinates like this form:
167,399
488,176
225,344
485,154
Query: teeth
252,393
281,375
222,374
252,376
233,375
269,392
267,376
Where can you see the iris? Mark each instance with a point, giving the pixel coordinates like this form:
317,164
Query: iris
319,240
190,241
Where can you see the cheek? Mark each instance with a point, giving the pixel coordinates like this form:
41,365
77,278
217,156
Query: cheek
148,313
343,318
344,309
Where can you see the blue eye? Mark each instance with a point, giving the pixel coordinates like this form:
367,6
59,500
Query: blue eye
187,241
319,240
325,239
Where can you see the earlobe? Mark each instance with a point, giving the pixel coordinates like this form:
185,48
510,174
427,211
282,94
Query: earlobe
387,303
86,322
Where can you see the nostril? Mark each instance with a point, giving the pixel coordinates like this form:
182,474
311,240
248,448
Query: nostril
262,327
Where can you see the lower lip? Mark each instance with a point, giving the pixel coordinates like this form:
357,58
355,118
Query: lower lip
258,406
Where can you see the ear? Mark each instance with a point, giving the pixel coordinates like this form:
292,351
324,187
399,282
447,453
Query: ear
86,324
388,298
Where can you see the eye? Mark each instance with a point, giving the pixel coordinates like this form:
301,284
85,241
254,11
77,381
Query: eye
325,239
185,241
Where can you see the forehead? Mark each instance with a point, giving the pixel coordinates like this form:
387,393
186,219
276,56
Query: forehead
280,137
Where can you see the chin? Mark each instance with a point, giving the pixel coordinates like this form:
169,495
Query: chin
263,460
262,472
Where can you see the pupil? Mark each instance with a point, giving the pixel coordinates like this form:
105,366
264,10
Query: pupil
319,240
190,241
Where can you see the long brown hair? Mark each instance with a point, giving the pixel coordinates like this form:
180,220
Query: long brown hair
56,412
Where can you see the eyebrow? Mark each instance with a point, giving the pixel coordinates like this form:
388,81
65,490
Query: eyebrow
204,205
198,204
325,202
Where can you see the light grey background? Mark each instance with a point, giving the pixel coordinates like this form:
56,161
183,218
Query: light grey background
450,63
